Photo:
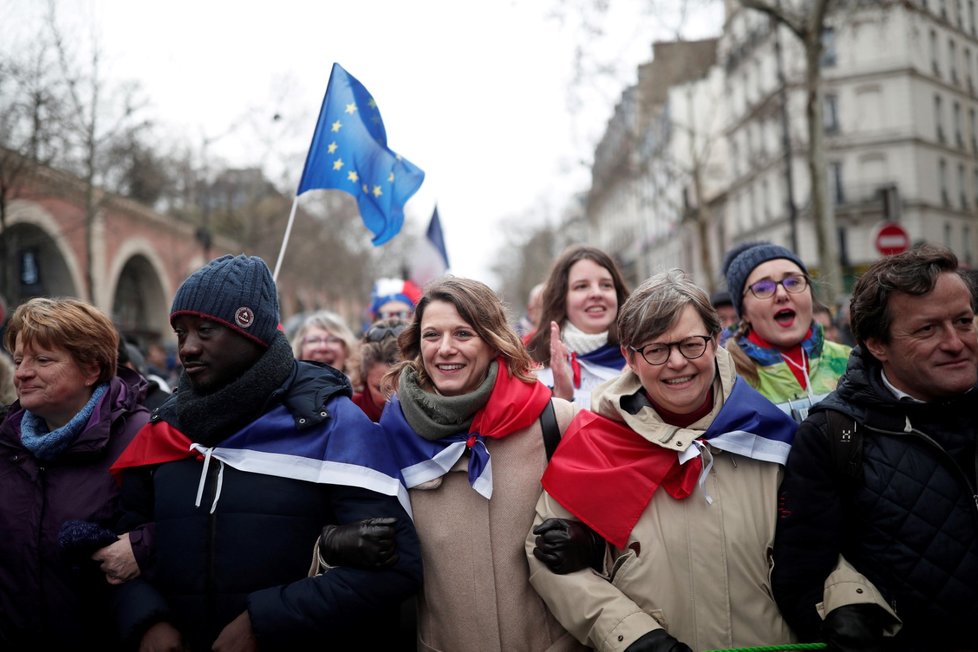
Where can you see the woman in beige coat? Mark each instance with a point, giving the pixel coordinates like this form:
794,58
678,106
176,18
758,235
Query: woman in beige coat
678,471
467,420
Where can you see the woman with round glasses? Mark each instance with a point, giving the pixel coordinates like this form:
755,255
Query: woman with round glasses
325,337
778,346
378,352
658,515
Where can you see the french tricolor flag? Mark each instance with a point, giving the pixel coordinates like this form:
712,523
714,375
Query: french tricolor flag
346,454
430,260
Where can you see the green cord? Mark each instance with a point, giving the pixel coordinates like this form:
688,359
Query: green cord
774,648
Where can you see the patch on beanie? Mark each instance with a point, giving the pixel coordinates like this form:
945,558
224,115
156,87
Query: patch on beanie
244,317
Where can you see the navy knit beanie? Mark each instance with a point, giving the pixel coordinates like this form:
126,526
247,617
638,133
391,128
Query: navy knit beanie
237,292
741,261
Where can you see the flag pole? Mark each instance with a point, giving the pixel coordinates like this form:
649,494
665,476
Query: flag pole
285,240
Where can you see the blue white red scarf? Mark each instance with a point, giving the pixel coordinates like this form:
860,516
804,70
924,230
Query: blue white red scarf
608,356
513,405
605,473
352,452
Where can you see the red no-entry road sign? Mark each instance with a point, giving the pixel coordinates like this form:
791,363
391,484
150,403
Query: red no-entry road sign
891,238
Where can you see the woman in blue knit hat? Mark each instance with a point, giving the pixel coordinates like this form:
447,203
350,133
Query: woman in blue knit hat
778,346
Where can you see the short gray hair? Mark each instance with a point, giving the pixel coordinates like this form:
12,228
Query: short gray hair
656,304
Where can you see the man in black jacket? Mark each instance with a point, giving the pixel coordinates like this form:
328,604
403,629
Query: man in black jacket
240,471
877,539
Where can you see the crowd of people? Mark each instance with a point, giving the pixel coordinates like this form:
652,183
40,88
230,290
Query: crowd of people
651,470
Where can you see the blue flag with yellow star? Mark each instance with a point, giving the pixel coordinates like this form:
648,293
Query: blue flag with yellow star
349,152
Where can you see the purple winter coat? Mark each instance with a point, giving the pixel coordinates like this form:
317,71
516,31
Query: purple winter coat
46,601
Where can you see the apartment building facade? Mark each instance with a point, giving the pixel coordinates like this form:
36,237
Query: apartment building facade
900,118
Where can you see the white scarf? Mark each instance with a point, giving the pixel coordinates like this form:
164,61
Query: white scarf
580,342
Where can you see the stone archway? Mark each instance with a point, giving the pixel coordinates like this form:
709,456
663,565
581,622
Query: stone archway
36,265
139,304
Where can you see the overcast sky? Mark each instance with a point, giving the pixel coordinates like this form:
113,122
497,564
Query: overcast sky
473,93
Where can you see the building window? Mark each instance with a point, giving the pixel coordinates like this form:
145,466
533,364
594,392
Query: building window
838,190
971,16
755,216
942,174
966,241
974,130
829,55
958,133
967,69
944,9
960,8
939,118
766,200
746,208
831,118
947,235
961,187
935,63
975,178
952,58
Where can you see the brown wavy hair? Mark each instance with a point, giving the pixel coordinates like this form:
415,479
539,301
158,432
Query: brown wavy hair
555,297
482,309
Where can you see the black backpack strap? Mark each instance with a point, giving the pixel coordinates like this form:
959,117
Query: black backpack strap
845,445
551,432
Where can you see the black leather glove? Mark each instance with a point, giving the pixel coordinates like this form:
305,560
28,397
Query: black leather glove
366,544
566,546
658,640
854,628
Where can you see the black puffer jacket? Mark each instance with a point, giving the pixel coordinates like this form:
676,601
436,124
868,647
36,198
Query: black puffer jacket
910,524
253,551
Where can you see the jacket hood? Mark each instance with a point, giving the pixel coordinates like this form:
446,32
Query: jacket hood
311,385
623,399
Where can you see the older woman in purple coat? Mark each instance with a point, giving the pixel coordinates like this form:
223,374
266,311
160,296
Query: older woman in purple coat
73,417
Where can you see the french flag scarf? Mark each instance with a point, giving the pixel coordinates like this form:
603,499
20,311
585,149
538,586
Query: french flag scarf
605,473
513,405
608,356
347,450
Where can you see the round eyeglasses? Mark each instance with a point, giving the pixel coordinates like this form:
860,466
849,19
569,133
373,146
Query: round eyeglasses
691,347
379,333
766,288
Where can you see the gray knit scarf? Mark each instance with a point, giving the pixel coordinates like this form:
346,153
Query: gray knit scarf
209,419
434,416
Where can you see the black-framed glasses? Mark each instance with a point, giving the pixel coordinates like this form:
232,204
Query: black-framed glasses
691,347
379,333
765,288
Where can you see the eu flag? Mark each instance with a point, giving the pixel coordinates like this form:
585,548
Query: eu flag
349,152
